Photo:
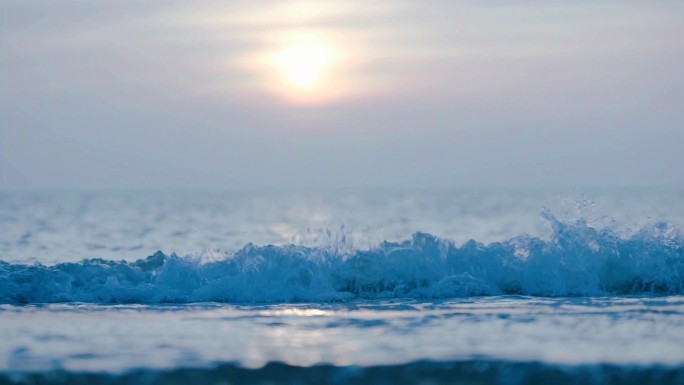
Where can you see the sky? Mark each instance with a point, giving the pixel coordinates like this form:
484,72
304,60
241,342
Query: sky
341,94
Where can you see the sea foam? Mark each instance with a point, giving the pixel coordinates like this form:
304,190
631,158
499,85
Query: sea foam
578,260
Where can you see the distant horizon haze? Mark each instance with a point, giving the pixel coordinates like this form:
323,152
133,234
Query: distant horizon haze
300,95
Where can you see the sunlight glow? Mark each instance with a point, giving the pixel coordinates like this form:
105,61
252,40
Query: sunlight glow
303,54
304,64
304,67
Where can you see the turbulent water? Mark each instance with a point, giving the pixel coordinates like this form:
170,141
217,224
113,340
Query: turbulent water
408,288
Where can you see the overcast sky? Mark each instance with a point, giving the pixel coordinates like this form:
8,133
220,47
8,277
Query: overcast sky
405,94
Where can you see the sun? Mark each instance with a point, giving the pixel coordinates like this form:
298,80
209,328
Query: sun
303,68
304,65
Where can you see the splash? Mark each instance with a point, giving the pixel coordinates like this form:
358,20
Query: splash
578,260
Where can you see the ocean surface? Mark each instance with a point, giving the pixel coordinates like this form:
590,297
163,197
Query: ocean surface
522,287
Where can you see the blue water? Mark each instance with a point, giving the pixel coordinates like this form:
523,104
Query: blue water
472,288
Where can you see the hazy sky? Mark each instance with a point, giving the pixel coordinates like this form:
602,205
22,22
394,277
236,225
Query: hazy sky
409,94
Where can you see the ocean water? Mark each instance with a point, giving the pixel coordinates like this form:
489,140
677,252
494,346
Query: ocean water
523,287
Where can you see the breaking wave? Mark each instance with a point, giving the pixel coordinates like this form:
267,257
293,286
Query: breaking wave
578,260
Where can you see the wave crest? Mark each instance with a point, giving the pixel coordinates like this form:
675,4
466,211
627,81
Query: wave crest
578,260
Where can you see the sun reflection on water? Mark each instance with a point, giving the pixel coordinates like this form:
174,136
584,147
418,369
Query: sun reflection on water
295,312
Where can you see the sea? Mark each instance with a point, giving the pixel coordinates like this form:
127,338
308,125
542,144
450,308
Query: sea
502,286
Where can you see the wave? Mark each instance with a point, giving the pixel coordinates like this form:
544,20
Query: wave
422,372
578,260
